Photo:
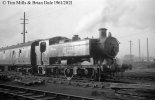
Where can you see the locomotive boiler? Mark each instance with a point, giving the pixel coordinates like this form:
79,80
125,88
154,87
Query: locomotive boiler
60,56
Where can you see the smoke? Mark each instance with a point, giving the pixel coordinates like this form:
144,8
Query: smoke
110,13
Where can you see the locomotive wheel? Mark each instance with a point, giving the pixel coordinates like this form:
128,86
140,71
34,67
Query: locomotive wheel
88,73
68,73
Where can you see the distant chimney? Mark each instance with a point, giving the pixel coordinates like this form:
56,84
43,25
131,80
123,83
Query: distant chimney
102,33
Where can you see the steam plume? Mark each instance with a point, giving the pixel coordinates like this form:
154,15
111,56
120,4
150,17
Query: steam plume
111,12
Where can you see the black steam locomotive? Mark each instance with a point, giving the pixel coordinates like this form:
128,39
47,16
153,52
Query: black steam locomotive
60,56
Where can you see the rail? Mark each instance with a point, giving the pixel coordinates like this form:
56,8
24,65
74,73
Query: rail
17,93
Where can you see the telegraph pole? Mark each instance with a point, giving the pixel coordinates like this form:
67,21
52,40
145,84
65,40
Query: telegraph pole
147,50
130,50
24,29
139,51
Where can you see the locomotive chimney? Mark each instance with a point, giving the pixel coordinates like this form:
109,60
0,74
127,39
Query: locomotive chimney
75,38
102,33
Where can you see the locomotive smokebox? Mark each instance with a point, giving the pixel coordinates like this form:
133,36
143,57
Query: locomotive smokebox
102,33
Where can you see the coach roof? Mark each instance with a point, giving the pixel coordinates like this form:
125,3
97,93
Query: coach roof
19,45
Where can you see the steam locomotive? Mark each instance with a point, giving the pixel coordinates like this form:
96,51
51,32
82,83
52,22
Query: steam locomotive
61,56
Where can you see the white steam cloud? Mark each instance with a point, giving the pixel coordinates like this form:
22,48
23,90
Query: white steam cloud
110,12
115,13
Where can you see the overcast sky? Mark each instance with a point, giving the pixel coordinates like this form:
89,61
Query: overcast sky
125,19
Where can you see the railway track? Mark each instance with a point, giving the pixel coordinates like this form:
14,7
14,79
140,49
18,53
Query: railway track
20,93
119,89
87,83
